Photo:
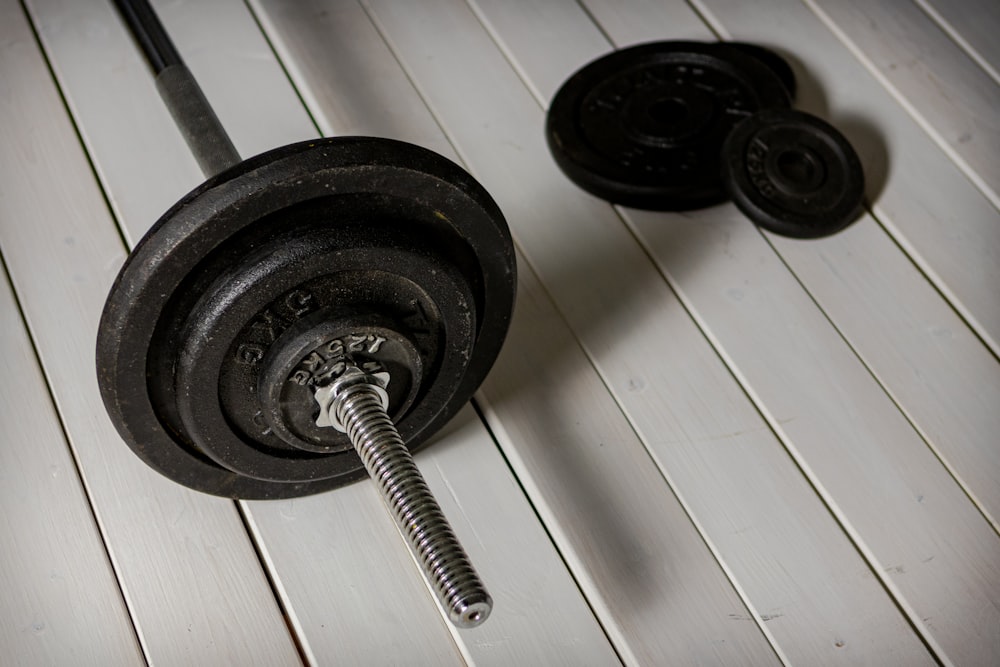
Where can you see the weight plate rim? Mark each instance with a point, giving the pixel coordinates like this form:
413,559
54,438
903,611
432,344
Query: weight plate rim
771,59
573,157
756,208
121,359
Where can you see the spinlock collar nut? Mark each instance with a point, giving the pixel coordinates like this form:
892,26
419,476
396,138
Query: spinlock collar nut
352,377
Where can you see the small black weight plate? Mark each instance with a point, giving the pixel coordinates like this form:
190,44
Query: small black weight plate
793,174
775,62
368,195
643,126
314,350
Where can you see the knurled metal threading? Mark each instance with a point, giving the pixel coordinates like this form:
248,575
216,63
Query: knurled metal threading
358,407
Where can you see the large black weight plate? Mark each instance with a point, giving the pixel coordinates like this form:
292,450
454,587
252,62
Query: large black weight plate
384,215
643,126
793,174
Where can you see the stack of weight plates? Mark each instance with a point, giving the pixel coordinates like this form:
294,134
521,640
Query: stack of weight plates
678,125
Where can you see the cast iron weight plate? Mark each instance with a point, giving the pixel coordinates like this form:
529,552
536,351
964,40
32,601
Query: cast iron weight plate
793,174
322,245
643,126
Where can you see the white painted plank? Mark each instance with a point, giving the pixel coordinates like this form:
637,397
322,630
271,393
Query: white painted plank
61,603
945,381
68,28
184,562
874,471
654,584
931,364
912,466
348,78
351,590
222,45
731,258
928,362
540,616
543,210
931,209
974,25
941,87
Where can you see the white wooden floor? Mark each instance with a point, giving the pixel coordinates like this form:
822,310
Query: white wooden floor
705,445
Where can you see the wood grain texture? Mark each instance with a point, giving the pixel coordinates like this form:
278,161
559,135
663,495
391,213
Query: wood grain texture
925,357
811,370
655,586
350,81
929,206
974,25
184,562
61,603
351,591
928,361
953,99
66,29
873,469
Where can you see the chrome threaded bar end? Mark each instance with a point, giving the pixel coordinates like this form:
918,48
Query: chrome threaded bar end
358,407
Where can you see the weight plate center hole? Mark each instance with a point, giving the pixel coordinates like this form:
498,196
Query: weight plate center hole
669,111
797,171
669,115
307,358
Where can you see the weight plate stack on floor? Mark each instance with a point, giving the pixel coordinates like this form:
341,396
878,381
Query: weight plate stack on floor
675,125
260,285
644,126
